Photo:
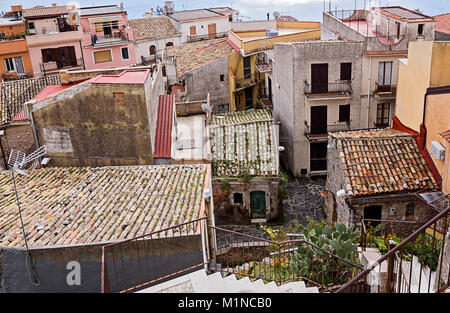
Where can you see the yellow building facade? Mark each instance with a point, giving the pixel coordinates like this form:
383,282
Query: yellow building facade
423,100
249,70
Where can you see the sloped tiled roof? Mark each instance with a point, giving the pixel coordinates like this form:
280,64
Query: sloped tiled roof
244,142
163,132
62,206
191,56
382,161
13,94
47,11
152,27
443,23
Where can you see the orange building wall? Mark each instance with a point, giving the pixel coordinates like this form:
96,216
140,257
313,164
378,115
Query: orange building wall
12,30
15,48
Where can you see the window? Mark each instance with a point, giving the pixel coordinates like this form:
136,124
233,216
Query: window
152,50
420,29
222,78
98,27
14,65
238,198
247,67
169,44
409,210
119,98
344,113
9,64
125,54
383,115
384,73
102,56
346,71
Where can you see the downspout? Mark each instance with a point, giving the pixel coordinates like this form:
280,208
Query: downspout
82,56
368,90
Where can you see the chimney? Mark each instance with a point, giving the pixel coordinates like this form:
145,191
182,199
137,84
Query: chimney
168,7
53,4
121,6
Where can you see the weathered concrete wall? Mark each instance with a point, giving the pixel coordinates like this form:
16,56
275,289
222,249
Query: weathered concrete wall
84,127
206,80
227,212
142,47
164,256
291,107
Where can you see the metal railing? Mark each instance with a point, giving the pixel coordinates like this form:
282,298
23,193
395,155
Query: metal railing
132,264
411,261
54,66
385,88
341,88
325,129
193,38
248,80
109,39
258,258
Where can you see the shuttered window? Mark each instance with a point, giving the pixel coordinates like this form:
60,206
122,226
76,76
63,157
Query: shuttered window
102,56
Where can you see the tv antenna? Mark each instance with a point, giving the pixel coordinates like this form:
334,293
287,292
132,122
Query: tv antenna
17,161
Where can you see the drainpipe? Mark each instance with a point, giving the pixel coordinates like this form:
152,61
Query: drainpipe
368,90
82,56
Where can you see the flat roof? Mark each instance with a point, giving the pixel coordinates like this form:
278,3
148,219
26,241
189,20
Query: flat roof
404,13
188,15
98,10
192,139
126,77
87,205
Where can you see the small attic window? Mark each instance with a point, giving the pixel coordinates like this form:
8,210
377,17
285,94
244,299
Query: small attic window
119,98
420,29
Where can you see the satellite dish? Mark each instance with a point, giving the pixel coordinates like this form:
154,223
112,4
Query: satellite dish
276,14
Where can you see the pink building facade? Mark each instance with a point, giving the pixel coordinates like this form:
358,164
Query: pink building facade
54,40
107,38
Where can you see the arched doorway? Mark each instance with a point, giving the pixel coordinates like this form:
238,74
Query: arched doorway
152,50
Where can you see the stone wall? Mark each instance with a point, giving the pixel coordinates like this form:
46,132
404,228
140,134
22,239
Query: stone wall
84,126
228,212
292,107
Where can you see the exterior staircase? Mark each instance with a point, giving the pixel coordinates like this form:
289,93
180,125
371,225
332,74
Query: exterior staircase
200,282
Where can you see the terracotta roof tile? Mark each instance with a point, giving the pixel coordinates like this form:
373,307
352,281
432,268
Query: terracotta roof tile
13,94
47,11
382,161
62,206
443,23
192,56
244,142
152,27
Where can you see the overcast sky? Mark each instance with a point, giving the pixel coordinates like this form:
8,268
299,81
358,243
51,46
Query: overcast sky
252,9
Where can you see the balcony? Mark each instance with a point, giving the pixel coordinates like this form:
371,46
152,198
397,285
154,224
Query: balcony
247,81
328,90
194,38
264,100
385,92
263,65
54,37
109,40
53,66
321,131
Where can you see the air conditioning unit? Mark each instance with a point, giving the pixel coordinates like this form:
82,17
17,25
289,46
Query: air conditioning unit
437,150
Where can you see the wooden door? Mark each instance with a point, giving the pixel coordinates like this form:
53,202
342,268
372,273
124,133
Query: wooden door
319,78
258,204
212,31
192,30
318,156
319,120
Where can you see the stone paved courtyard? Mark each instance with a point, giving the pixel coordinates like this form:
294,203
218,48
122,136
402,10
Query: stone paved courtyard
302,199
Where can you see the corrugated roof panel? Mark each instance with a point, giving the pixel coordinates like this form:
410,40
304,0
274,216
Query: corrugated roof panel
164,124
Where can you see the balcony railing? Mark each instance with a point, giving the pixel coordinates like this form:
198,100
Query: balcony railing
385,91
323,130
328,89
264,99
54,66
248,80
109,39
194,38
